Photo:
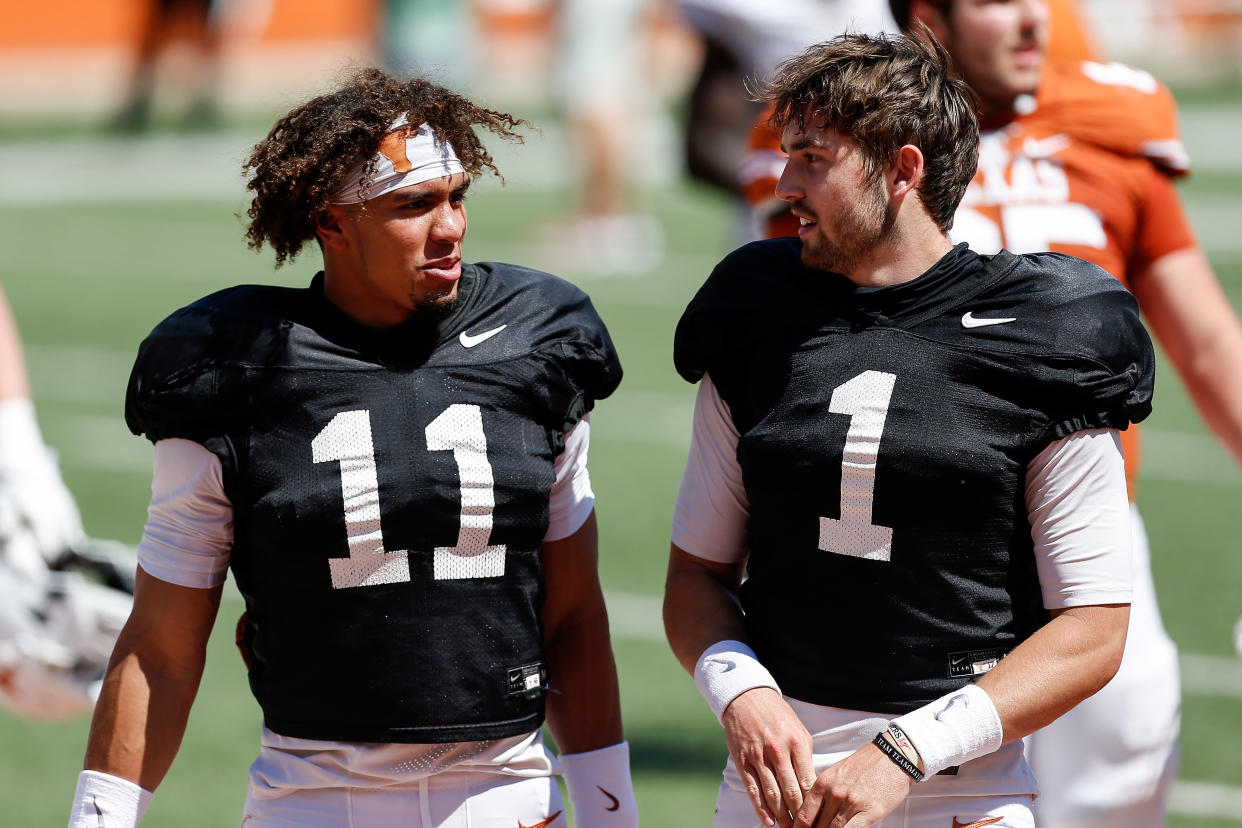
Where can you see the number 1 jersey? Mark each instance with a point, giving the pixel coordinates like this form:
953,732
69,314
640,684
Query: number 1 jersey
884,436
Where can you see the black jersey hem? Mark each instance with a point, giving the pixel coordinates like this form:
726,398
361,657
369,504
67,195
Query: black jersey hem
420,734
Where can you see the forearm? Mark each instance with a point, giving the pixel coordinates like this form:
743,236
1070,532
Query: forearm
1067,660
700,606
139,721
151,682
13,379
584,700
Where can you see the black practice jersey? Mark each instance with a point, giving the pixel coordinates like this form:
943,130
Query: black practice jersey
390,492
884,439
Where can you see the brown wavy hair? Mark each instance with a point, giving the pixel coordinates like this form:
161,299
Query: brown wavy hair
310,151
883,92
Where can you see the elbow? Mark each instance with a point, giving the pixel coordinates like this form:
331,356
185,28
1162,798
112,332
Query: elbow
1111,647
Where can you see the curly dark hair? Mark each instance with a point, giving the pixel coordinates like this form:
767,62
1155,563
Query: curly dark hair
310,151
883,92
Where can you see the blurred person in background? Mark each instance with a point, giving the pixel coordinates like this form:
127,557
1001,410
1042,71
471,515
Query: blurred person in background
199,26
743,39
57,627
602,65
392,463
1080,157
902,539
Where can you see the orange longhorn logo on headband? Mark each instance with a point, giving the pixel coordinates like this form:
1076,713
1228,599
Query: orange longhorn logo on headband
393,148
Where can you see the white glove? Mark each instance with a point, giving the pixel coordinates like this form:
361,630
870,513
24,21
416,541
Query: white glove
36,509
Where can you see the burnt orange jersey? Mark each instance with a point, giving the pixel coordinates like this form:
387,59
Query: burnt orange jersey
1085,170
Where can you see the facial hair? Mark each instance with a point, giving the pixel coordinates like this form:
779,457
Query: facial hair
856,233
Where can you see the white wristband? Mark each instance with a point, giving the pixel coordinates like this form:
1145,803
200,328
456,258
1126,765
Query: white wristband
106,801
600,788
955,728
726,670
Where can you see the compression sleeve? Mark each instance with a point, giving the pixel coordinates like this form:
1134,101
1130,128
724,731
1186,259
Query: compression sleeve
1080,520
709,519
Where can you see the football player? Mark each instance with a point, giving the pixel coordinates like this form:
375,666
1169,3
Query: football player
392,463
902,538
1079,157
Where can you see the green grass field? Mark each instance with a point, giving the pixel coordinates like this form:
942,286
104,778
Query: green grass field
89,273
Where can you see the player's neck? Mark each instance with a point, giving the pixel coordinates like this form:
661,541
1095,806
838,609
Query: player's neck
914,244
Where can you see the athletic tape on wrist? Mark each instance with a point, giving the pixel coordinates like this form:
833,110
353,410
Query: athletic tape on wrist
955,728
106,801
726,670
899,759
600,787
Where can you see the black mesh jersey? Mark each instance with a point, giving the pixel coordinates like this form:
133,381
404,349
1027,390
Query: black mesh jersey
390,492
884,436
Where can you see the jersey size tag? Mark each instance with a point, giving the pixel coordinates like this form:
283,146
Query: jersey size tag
971,663
527,678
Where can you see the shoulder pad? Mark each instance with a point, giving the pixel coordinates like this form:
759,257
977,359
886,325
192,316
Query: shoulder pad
1113,106
187,380
561,321
1101,355
758,293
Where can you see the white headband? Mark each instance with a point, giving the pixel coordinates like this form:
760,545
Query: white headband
402,160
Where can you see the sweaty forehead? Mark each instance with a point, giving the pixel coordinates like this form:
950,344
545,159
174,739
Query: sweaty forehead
808,136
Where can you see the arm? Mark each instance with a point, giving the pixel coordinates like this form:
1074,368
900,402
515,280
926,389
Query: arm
770,746
30,481
1192,319
1080,525
584,703
584,699
151,681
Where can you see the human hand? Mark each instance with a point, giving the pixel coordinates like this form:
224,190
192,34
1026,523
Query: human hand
856,792
771,749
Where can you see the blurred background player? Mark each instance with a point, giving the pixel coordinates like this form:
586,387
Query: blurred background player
57,627
1079,157
744,39
600,70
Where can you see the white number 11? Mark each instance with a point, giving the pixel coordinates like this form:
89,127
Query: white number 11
459,429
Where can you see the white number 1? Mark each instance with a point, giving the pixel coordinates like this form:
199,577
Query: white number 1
866,399
459,429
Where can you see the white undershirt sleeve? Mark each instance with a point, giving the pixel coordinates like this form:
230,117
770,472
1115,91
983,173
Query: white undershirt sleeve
572,498
189,531
1080,520
712,509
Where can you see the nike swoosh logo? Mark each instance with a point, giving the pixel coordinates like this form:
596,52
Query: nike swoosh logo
99,815
969,321
979,823
543,823
616,803
1044,147
468,341
960,697
728,663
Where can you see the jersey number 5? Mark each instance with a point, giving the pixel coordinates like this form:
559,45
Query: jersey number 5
459,429
865,399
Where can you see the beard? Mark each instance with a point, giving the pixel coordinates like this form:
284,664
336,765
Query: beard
857,233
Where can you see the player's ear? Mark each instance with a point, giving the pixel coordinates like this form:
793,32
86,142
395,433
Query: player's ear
328,226
906,171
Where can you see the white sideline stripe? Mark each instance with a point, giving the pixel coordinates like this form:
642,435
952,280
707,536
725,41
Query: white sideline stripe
1214,800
